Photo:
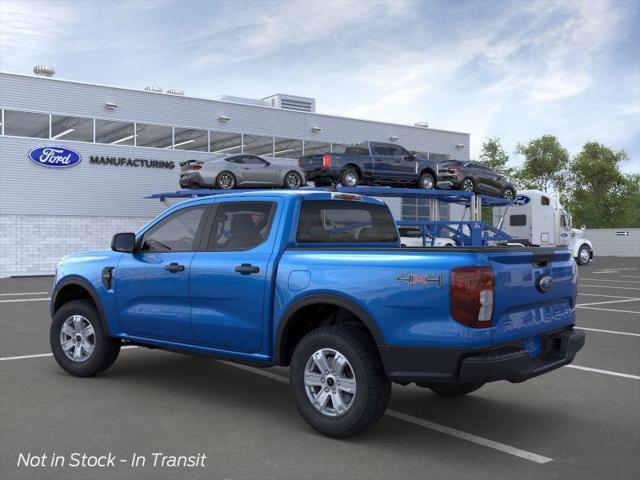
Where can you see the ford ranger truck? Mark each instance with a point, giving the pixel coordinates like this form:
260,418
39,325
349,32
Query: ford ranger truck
371,163
317,281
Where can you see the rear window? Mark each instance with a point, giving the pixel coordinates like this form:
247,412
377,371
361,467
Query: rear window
337,221
359,149
518,220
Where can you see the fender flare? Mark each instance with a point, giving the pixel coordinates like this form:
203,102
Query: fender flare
84,283
336,300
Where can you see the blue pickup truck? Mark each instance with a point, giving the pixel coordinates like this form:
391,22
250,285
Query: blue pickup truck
371,163
318,281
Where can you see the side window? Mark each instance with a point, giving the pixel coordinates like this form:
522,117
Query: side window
544,201
238,159
175,233
381,150
563,221
240,225
398,151
253,160
518,220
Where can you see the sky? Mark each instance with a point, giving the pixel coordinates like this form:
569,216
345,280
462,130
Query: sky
510,69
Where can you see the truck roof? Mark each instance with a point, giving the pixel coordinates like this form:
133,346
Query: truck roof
305,194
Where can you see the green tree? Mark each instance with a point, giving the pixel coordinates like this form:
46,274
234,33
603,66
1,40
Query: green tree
600,195
544,165
494,156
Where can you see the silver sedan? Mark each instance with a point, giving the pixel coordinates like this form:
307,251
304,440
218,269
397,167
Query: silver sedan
229,171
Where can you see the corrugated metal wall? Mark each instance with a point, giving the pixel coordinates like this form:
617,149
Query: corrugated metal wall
615,242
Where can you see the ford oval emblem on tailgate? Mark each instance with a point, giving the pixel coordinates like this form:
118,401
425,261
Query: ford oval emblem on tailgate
55,157
544,283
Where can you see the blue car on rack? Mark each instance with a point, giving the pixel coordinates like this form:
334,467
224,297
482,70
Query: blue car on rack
318,281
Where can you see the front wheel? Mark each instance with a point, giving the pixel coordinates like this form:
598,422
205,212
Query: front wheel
584,255
78,340
338,381
467,185
426,182
455,389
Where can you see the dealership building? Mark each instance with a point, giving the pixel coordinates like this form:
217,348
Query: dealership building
129,144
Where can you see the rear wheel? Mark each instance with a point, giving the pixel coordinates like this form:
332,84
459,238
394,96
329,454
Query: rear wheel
455,389
426,182
338,381
467,185
584,255
79,342
226,180
293,179
349,178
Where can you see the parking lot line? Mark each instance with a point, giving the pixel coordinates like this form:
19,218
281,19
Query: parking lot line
632,299
609,286
610,310
17,300
22,293
608,331
600,295
469,437
606,372
614,281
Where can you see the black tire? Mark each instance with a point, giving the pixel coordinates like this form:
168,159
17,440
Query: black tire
373,388
584,255
509,194
468,185
347,175
427,181
293,173
106,349
225,180
455,389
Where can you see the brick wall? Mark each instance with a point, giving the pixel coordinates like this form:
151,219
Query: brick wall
33,244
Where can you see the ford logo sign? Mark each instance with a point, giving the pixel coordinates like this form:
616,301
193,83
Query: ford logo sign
55,157
544,283
521,200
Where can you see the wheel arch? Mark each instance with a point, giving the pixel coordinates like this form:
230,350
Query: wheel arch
354,166
287,334
428,170
76,288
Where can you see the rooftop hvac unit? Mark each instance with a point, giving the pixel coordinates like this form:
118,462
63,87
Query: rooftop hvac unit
175,91
244,100
292,102
153,88
44,71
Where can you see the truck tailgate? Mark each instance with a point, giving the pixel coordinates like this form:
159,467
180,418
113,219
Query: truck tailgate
534,293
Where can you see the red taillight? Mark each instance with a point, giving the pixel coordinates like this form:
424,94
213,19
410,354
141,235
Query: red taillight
453,170
326,161
196,167
472,296
299,162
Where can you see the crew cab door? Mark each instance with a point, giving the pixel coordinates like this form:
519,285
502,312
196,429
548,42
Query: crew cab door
229,275
390,163
152,284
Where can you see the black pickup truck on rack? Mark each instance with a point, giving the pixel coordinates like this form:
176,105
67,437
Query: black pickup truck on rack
371,163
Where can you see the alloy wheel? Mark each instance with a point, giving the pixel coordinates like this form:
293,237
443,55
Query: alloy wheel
77,338
351,179
330,382
293,180
467,185
226,181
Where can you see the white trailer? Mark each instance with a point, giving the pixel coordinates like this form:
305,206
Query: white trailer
538,219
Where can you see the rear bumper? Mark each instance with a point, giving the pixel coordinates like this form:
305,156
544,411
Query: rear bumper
506,362
192,179
321,173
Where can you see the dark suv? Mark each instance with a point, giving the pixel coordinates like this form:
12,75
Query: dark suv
474,177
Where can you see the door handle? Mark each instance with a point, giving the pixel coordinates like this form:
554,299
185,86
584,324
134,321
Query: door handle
247,269
174,268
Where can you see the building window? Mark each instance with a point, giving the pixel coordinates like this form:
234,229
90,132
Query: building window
316,148
415,209
287,148
156,136
26,124
115,133
191,139
258,145
71,128
230,143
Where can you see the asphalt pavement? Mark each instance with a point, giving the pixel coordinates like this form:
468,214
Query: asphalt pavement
237,422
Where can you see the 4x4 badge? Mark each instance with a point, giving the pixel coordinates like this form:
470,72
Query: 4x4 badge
420,278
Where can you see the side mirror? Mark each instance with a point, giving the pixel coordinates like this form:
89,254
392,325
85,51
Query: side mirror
411,156
124,242
583,227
